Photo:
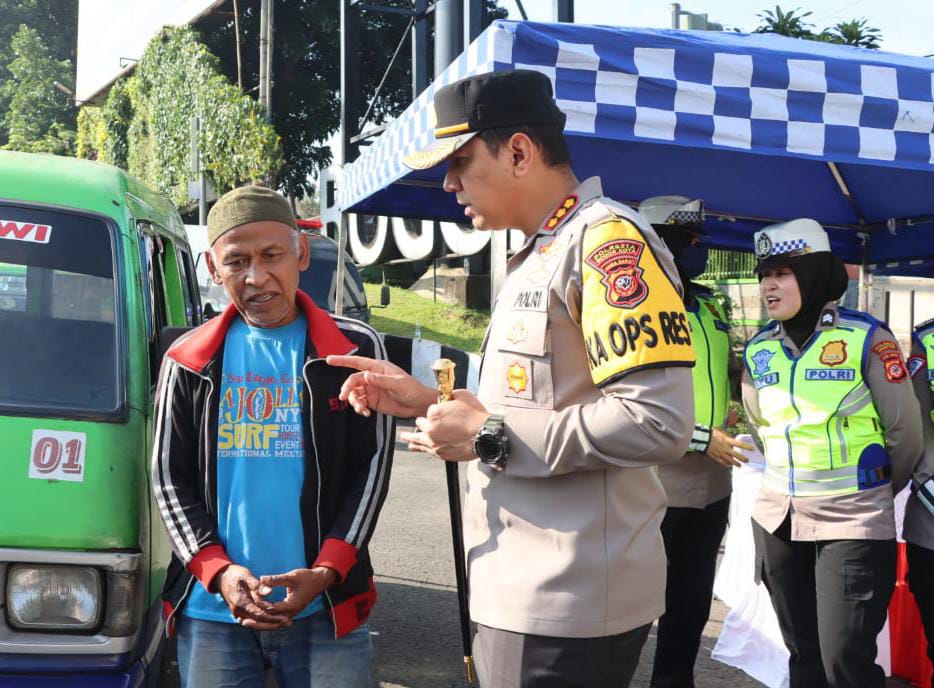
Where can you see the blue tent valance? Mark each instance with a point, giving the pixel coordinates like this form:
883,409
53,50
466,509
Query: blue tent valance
764,128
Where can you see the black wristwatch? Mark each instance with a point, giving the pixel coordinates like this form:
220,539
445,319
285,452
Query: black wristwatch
491,444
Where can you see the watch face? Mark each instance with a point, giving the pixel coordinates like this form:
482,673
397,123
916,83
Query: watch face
488,447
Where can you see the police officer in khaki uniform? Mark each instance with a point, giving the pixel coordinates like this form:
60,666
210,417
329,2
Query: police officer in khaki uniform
827,390
585,386
699,485
918,528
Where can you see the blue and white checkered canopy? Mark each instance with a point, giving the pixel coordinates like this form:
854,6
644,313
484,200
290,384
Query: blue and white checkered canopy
762,127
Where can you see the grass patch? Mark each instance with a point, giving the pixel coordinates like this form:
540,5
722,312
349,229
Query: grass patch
455,326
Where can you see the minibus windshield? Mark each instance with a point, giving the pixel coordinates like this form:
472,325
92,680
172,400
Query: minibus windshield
58,325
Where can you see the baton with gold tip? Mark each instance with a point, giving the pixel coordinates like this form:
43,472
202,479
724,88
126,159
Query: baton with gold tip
443,369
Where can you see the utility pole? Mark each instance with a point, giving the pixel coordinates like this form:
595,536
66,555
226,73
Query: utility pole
197,166
236,11
265,57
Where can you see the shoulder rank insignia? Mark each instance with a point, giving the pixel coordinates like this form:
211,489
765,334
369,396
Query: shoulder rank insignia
560,213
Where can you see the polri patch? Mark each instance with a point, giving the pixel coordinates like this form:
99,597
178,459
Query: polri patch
830,375
891,357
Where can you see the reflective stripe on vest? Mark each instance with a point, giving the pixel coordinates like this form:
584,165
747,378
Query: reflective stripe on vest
711,336
924,335
821,431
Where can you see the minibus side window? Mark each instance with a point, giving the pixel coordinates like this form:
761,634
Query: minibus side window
151,246
189,288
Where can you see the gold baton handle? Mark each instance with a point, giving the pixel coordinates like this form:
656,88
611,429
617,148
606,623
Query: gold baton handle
443,369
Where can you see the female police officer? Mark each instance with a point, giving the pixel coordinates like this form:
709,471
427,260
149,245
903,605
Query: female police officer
919,512
827,391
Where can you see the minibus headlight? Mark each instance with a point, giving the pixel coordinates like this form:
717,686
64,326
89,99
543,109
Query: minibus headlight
61,598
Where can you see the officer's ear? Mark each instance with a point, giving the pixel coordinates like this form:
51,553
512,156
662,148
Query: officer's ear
523,151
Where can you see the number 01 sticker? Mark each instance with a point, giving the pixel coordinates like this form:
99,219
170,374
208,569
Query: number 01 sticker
57,455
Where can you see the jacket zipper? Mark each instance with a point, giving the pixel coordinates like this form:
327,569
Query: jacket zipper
207,500
791,460
314,446
185,594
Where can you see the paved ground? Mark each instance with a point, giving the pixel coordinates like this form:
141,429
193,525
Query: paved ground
415,631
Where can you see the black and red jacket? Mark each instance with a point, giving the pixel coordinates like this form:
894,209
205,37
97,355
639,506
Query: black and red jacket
347,462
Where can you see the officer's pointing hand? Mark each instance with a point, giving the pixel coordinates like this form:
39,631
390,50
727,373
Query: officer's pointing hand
725,449
382,387
448,429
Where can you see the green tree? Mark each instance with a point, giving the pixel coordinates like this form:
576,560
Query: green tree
854,32
57,24
145,124
792,23
39,118
306,72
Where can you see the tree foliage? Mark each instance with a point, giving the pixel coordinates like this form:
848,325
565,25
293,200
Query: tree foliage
854,32
306,71
795,23
145,124
56,22
39,118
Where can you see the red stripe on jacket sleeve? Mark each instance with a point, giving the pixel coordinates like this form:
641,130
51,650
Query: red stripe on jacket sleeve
338,555
207,563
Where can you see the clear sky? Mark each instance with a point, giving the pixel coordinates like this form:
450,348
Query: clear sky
907,26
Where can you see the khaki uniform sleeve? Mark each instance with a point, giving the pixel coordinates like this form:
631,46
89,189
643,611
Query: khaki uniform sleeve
640,355
643,419
895,402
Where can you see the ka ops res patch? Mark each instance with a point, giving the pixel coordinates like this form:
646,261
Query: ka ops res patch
632,316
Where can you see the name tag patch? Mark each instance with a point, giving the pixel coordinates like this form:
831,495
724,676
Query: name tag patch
766,380
531,300
845,374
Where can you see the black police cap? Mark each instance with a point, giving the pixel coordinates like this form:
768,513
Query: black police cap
496,100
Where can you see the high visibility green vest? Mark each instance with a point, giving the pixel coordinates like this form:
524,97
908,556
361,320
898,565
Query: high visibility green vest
924,336
821,431
711,336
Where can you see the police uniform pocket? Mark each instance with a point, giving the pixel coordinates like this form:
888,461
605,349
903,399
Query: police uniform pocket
524,333
857,580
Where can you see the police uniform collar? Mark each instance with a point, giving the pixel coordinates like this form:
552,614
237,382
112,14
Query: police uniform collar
826,321
828,318
587,190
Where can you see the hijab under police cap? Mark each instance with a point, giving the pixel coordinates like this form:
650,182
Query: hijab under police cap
496,100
